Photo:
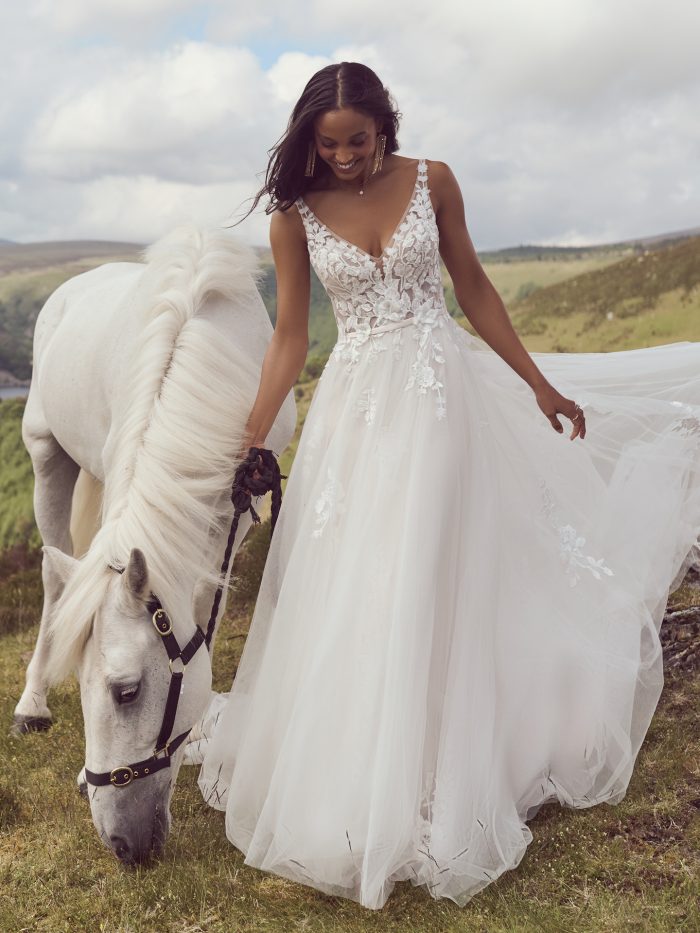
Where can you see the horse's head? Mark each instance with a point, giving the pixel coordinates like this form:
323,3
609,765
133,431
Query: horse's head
144,682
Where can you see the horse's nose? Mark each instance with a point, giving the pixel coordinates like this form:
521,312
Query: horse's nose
137,848
133,851
123,850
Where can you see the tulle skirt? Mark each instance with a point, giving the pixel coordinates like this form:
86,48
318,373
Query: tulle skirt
458,617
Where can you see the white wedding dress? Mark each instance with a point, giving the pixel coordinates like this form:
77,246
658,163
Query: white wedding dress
458,618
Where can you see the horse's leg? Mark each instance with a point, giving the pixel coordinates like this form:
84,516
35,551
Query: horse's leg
55,474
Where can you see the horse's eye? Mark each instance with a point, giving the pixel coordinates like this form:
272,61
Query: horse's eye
126,694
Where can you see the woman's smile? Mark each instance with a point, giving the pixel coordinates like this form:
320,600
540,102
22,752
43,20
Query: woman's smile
347,166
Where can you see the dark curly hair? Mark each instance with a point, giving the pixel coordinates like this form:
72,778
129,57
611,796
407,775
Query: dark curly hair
345,84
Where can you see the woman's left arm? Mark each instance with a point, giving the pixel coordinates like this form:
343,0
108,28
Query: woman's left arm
481,303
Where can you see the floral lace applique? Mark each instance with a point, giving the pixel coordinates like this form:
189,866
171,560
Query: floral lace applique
377,301
366,405
312,443
571,543
688,425
329,504
423,375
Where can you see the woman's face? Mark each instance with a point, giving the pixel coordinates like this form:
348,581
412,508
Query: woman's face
345,140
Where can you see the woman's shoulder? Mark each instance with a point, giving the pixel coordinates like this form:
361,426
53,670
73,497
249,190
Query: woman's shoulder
287,223
442,181
437,170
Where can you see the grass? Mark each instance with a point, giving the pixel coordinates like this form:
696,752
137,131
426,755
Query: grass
634,866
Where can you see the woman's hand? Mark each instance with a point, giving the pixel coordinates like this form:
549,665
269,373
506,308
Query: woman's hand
552,402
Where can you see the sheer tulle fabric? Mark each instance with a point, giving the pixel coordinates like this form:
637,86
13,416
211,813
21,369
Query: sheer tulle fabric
458,618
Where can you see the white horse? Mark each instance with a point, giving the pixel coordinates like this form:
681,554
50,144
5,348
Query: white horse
144,377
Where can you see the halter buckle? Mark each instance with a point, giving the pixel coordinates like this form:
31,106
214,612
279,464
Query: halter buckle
162,622
120,777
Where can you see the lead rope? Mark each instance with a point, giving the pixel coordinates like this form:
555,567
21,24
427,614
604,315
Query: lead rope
246,484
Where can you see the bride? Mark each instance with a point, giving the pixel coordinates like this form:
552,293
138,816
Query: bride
458,616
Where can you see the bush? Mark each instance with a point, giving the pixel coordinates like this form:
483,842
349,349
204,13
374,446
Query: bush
16,480
314,367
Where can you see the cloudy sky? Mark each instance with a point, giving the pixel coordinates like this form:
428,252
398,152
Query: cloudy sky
565,121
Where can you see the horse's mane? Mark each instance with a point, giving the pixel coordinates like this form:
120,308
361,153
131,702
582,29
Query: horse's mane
177,436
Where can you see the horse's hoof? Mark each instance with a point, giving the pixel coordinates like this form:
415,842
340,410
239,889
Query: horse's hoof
21,725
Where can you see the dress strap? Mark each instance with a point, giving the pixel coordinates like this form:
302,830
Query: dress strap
301,207
307,215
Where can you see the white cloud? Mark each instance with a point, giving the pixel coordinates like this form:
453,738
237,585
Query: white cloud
193,112
574,119
74,16
291,71
154,206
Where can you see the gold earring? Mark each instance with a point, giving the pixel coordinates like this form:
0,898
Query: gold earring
311,160
379,153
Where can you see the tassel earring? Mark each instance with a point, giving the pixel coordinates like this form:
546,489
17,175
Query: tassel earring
311,160
379,153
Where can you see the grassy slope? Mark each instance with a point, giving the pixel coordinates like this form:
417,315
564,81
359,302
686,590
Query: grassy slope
642,300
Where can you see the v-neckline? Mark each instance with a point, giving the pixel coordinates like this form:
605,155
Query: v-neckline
391,238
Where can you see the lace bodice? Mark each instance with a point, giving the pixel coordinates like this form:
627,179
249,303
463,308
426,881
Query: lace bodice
373,296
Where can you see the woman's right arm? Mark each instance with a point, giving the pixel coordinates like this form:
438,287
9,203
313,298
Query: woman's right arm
286,353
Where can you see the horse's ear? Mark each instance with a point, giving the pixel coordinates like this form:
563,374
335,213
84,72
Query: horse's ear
136,574
56,570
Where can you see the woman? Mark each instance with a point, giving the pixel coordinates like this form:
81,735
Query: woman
458,617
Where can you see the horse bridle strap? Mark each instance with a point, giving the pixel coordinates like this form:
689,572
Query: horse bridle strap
257,474
165,747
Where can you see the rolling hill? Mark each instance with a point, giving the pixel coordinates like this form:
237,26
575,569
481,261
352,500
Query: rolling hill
643,300
560,298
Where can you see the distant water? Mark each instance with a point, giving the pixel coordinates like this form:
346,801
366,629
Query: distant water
14,391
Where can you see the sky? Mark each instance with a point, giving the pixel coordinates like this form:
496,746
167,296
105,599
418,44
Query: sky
565,121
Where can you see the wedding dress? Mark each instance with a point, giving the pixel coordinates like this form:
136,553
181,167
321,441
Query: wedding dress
458,617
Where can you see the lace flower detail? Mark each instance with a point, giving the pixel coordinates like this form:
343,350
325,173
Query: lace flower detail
330,503
366,404
571,544
688,425
429,318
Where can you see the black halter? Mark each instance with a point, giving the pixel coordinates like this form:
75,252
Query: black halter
165,747
262,461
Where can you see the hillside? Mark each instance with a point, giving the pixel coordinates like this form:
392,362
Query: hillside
15,256
579,298
643,300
